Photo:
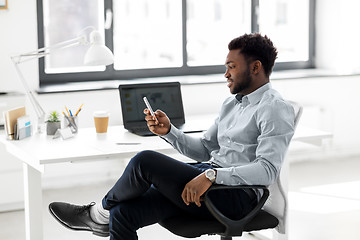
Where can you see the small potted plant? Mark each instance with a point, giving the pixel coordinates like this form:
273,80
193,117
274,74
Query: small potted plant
53,123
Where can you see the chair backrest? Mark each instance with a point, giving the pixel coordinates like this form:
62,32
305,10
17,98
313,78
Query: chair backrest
277,203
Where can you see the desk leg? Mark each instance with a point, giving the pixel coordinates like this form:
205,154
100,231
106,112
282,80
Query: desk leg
33,203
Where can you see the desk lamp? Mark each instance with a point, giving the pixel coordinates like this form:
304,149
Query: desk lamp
97,55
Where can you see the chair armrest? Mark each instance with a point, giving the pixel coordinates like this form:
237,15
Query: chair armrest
234,227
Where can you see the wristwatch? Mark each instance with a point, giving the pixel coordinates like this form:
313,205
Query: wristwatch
211,175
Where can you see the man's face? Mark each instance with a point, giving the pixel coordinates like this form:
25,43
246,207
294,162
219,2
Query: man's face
237,72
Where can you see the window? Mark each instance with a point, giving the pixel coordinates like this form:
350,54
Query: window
64,20
209,29
288,29
147,34
151,38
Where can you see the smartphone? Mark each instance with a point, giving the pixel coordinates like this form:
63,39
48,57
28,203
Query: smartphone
149,107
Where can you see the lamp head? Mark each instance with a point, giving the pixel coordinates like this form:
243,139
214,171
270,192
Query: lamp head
98,53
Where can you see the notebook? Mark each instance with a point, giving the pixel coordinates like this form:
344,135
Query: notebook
163,96
10,118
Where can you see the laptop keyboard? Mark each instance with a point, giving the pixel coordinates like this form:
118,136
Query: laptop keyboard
142,131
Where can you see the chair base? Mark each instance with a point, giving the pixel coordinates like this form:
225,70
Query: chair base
189,227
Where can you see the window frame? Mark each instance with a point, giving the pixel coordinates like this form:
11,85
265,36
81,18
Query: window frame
111,74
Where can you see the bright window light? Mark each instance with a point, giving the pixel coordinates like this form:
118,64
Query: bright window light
289,30
211,24
158,38
64,20
147,34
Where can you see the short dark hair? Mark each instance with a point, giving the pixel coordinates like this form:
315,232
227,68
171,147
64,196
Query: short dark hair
256,47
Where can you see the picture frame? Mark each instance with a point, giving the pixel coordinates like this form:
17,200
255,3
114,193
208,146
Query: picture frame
3,4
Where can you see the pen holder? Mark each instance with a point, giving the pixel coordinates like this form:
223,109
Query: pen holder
72,123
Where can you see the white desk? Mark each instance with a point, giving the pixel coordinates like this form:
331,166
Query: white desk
118,143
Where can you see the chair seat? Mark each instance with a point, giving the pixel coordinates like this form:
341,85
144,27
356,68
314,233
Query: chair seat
190,227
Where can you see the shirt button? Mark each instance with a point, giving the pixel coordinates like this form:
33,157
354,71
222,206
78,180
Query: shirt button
222,182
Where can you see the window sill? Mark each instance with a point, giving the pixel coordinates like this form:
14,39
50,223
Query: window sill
184,80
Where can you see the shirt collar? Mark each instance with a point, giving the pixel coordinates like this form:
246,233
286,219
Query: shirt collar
256,95
239,97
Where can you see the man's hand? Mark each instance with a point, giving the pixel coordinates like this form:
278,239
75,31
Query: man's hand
194,189
161,126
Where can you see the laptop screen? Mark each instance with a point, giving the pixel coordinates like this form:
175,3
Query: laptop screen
163,96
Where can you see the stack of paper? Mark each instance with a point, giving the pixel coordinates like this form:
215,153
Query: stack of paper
17,124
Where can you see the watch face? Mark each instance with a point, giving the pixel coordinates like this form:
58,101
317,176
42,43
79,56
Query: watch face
210,174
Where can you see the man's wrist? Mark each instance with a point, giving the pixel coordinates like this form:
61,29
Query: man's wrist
211,175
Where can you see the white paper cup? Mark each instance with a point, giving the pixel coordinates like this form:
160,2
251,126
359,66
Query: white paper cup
101,119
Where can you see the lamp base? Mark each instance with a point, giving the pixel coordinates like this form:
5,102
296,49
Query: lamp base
41,124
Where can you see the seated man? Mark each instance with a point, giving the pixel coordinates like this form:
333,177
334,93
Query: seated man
246,145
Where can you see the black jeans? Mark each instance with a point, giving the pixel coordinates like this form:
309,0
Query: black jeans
150,190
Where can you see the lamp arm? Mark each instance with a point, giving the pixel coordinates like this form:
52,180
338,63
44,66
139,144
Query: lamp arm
42,52
40,113
39,53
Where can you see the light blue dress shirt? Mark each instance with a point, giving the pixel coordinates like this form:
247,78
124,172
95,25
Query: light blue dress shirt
248,140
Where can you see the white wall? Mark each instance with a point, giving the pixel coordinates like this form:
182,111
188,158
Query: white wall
18,35
18,26
331,104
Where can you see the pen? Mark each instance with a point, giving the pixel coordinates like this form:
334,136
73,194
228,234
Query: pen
67,111
70,113
79,110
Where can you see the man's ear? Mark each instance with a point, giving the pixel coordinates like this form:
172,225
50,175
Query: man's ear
256,67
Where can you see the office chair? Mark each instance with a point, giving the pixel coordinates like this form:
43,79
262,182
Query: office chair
270,212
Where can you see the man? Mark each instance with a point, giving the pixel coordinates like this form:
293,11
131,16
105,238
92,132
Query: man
245,145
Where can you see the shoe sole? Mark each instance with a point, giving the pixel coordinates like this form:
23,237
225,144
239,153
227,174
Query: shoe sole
100,234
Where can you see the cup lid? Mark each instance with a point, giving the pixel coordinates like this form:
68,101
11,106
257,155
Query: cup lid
101,114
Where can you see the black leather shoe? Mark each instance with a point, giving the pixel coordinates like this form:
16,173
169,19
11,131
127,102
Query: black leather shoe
77,218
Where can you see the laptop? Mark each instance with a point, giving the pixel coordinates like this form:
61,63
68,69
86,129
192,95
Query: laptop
163,96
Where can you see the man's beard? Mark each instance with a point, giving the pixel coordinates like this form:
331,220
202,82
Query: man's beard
245,84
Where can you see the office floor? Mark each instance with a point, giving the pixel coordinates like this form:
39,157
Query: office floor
324,201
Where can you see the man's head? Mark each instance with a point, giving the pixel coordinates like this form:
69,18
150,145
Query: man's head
249,63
